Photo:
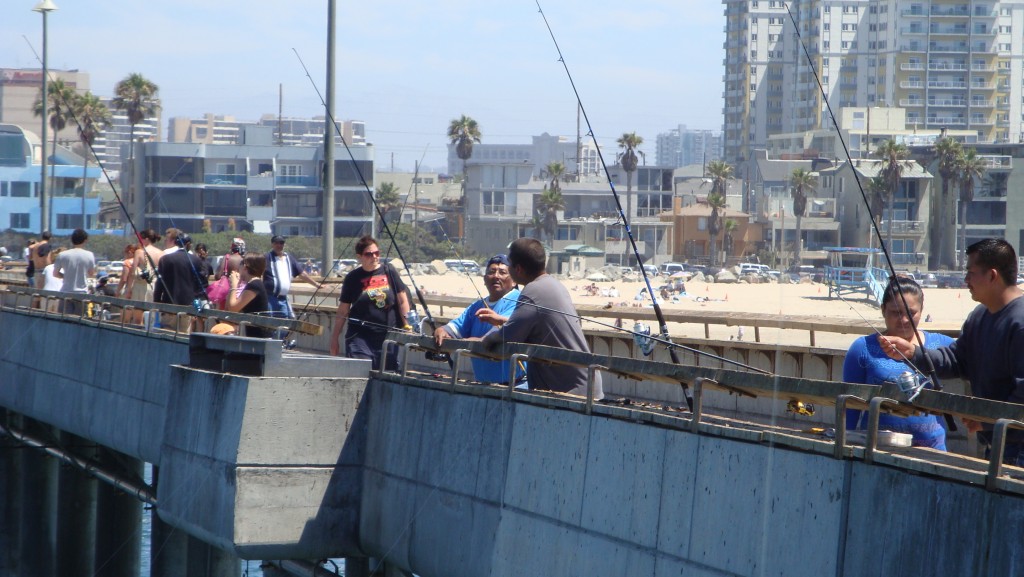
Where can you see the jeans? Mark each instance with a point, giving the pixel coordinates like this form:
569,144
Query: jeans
280,308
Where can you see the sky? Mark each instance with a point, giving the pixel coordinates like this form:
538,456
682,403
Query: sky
405,68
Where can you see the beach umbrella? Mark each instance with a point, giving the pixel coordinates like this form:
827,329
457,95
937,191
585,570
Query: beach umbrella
680,274
599,277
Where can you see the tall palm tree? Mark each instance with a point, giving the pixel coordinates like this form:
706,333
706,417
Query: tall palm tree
801,182
549,203
137,97
629,143
948,152
59,103
893,161
729,227
555,170
93,116
971,167
387,199
463,132
719,173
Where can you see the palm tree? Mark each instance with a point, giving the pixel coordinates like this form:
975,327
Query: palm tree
729,227
93,116
137,98
555,170
971,167
59,103
387,199
893,161
629,142
548,205
719,172
948,153
463,132
802,182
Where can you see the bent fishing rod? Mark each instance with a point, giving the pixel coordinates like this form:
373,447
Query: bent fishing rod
663,324
369,193
874,224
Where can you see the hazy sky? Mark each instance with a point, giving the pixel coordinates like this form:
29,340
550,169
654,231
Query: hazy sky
404,68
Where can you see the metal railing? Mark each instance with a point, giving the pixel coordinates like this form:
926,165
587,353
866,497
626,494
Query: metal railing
702,380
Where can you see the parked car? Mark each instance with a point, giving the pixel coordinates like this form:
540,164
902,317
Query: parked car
101,267
950,281
651,270
115,268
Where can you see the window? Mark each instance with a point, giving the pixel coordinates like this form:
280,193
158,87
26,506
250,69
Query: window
19,220
290,170
69,221
21,189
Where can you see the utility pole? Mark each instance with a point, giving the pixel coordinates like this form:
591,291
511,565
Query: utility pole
415,208
328,208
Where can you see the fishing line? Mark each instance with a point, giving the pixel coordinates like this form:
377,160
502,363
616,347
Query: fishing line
874,225
99,164
369,193
663,325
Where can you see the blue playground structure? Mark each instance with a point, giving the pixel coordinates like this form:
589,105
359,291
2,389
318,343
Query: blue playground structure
851,270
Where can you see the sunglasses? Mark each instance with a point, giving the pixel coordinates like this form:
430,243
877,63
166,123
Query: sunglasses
372,253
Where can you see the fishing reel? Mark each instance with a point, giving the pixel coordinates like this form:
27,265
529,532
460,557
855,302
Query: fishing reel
642,338
800,408
910,385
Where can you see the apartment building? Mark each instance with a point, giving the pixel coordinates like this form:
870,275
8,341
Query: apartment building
956,64
288,131
682,147
252,185
577,157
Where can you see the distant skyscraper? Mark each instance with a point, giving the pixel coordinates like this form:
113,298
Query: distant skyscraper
683,147
223,129
950,63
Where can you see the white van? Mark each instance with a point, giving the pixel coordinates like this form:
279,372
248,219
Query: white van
751,268
669,268
467,266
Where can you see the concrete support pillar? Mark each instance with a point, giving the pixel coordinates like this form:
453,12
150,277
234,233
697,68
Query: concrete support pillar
10,496
38,506
118,521
76,510
168,546
208,561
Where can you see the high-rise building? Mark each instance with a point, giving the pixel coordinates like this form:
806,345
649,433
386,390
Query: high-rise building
543,150
223,129
957,64
682,147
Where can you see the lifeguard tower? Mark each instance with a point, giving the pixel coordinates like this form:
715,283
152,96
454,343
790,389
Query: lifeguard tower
852,270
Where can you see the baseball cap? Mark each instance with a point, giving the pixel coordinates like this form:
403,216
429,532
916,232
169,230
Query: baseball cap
498,259
277,239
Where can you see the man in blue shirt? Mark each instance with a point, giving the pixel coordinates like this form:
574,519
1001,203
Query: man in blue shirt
483,317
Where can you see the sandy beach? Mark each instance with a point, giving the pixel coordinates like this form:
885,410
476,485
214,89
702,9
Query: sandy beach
948,307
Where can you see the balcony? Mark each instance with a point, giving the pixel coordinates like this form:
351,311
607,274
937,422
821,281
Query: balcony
959,103
911,66
296,180
946,84
982,68
906,227
911,84
914,13
981,104
225,179
940,66
983,85
982,121
913,30
949,30
956,12
946,120
945,47
911,102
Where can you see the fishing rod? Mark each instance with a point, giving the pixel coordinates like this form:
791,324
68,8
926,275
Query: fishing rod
672,346
369,193
874,224
663,324
103,170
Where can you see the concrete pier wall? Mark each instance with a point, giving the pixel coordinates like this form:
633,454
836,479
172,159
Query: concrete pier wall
461,485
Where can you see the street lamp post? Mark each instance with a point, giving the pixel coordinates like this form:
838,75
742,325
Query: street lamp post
44,8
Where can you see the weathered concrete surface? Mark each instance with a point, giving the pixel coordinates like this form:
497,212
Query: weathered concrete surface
264,467
463,485
105,385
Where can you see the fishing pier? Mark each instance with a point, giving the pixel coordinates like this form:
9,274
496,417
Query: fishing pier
291,458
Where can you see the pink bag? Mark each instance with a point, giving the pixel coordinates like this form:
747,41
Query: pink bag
217,292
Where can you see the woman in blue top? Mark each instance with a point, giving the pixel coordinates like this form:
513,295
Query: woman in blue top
866,363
